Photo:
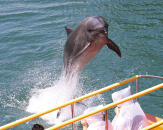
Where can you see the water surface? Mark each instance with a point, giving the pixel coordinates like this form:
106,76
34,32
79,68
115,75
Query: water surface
32,39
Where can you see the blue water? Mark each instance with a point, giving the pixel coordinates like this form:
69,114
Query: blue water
32,38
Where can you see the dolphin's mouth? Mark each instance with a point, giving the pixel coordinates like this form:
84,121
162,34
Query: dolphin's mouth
111,45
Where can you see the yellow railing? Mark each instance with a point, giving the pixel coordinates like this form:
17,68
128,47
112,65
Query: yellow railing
107,106
68,103
82,98
153,125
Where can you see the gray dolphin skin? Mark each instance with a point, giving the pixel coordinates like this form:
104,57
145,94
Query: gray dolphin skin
84,42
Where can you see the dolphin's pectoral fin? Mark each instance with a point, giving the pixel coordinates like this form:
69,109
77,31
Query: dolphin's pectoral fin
69,30
81,51
111,45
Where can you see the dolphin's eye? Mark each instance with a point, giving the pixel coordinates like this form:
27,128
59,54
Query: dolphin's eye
89,30
103,31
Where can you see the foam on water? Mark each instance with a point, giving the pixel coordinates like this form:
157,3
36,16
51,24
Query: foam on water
59,93
44,99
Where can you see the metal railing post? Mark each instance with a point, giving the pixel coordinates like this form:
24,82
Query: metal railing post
106,118
73,115
137,89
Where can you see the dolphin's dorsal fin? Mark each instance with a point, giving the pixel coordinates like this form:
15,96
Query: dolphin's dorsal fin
69,30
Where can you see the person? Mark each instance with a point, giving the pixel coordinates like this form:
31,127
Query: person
96,121
129,115
37,127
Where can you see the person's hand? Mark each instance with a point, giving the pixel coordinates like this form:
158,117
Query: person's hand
83,122
117,110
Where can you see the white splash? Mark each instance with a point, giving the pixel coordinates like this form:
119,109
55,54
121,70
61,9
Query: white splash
59,93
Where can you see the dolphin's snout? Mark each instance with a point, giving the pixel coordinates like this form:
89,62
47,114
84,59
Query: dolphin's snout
111,45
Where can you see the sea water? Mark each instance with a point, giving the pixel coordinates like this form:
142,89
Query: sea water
32,38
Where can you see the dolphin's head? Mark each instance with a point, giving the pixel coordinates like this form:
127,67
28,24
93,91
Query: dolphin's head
97,28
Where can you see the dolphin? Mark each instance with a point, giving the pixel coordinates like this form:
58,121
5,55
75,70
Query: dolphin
84,42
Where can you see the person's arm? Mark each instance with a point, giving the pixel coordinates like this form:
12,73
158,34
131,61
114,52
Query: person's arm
84,123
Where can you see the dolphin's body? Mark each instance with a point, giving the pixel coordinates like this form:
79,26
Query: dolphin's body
84,42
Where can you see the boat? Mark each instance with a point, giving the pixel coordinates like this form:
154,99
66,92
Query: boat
156,123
